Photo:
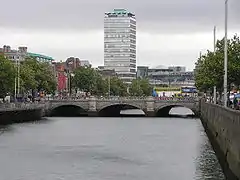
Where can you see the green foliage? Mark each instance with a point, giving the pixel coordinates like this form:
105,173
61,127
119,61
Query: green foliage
89,80
7,76
117,87
101,87
85,79
140,87
210,68
37,75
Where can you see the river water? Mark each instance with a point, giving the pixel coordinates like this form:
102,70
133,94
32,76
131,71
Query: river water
107,149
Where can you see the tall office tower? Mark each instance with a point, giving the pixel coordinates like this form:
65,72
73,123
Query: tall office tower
120,43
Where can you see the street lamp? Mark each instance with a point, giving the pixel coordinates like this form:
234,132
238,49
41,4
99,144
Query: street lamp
109,86
17,76
225,54
214,49
70,85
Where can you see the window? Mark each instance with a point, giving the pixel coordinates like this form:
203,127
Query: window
132,46
132,70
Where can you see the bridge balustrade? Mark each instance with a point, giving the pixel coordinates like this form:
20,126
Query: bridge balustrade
181,99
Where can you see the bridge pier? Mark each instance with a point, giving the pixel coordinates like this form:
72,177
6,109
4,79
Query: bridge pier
150,107
150,114
92,111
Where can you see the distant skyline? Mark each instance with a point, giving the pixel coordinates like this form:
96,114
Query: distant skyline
169,32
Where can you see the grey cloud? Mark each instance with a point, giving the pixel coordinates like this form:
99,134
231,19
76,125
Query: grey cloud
158,15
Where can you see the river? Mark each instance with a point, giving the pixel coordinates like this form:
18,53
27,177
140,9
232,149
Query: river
107,148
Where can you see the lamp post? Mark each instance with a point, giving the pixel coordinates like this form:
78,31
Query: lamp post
109,86
225,54
17,76
214,49
71,75
15,83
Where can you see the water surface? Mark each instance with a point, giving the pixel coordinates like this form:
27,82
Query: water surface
107,148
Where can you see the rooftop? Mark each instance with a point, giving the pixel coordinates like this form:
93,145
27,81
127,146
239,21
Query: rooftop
41,56
119,12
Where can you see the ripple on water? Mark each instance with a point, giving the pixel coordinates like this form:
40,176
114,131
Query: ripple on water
108,148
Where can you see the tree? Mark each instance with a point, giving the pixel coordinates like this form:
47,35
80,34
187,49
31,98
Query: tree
209,69
7,76
146,87
140,87
117,87
27,75
37,75
101,87
135,88
89,80
85,79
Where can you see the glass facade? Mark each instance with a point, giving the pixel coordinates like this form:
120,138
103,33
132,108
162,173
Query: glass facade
120,43
142,72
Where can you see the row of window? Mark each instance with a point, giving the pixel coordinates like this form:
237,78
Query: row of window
116,35
122,20
117,25
120,50
133,61
133,70
116,41
133,65
122,46
119,55
119,30
116,55
126,75
112,30
119,41
133,22
116,45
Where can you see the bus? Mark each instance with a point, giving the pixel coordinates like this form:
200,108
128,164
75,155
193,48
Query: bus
189,90
166,91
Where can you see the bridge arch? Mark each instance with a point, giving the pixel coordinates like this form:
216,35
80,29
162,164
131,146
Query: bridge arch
114,110
164,111
67,110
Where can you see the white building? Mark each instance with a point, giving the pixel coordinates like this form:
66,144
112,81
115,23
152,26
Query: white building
85,63
178,68
120,43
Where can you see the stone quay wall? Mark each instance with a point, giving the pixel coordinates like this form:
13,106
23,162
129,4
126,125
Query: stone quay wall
12,113
223,128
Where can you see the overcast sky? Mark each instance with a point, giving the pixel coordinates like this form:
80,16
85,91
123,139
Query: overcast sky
169,32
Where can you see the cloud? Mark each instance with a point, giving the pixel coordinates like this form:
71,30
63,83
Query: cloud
152,15
152,49
169,32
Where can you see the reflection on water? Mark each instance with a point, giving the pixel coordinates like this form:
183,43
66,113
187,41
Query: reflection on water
108,148
207,162
173,111
181,111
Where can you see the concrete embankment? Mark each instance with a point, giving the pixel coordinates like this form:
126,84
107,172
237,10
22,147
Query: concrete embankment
223,128
18,115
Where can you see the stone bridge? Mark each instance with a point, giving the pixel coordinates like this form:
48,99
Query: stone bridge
112,107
